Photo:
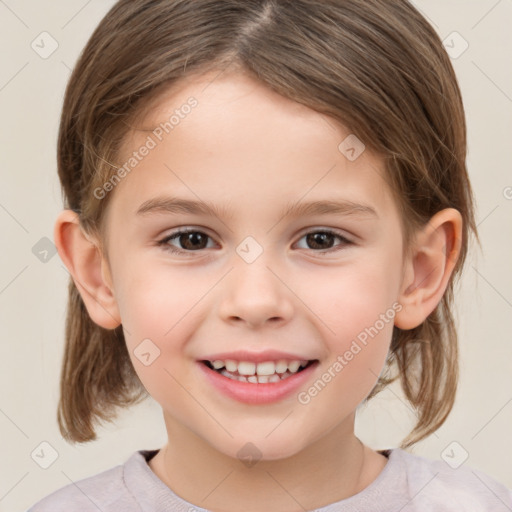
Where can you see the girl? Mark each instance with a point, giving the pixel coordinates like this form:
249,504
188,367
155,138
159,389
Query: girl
317,150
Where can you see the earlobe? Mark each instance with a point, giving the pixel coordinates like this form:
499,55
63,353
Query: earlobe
88,268
429,267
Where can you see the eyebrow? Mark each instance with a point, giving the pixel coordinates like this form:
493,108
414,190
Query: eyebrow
163,204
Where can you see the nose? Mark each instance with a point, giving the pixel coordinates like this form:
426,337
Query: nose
255,294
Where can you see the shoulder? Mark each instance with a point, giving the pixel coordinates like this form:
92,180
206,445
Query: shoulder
433,485
104,491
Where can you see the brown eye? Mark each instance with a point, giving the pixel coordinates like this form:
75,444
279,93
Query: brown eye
193,240
320,240
323,241
187,241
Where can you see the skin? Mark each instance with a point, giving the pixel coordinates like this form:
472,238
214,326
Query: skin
248,149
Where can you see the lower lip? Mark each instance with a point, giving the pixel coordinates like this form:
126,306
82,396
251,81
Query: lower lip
250,393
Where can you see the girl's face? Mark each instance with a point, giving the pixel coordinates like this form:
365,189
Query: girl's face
252,278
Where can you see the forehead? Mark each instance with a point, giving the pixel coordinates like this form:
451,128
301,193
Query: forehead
229,138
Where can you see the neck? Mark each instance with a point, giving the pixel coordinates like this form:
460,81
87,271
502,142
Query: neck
333,468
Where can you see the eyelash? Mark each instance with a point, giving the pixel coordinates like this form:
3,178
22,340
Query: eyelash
165,245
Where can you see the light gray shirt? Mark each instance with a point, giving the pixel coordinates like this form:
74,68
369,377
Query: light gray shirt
408,483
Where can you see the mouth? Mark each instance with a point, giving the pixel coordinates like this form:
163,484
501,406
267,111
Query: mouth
258,383
266,372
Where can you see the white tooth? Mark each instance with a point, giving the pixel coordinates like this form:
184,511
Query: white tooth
253,379
263,379
266,368
218,364
242,379
286,375
303,363
293,366
227,374
231,365
274,378
281,366
246,368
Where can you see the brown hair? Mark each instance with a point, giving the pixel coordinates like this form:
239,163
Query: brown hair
376,66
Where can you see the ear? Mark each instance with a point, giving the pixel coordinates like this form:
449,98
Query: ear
428,268
88,268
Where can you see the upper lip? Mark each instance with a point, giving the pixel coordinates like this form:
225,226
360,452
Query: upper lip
256,357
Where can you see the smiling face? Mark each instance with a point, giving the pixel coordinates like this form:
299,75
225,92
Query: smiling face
251,277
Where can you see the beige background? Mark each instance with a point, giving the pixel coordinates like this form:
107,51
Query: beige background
33,293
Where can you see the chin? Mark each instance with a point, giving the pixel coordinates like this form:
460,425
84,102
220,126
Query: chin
252,449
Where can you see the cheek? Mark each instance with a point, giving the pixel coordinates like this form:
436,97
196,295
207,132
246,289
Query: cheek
356,307
154,300
348,300
360,320
158,315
